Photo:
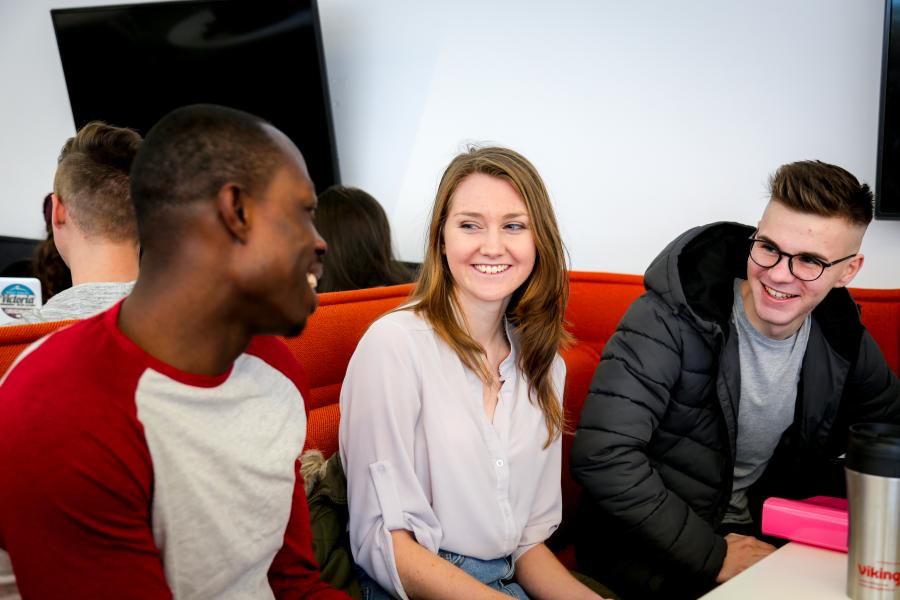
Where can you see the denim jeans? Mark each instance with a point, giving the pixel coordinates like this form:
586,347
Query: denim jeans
496,573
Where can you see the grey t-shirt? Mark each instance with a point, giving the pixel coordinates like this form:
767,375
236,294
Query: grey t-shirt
770,372
80,301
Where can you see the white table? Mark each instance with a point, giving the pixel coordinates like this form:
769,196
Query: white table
794,571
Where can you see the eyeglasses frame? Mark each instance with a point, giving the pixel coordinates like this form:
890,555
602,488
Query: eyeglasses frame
824,264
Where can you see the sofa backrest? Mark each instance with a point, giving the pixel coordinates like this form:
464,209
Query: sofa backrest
597,301
325,348
15,338
880,312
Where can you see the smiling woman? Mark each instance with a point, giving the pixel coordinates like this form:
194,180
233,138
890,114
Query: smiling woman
488,243
451,414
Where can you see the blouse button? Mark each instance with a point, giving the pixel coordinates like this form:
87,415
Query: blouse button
499,462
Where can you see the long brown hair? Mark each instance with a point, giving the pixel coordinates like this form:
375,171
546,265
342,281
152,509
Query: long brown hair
46,262
359,242
536,309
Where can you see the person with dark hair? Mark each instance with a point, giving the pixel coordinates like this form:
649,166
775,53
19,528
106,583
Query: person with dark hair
92,222
359,242
734,378
46,264
156,444
451,409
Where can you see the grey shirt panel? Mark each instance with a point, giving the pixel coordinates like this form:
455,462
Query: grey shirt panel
8,589
80,301
770,372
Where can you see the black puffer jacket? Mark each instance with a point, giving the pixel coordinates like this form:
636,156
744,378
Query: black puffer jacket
655,446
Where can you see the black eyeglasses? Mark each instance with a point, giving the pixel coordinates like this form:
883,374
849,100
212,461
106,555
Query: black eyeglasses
805,268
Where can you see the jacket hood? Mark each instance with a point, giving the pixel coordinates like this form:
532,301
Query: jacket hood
695,273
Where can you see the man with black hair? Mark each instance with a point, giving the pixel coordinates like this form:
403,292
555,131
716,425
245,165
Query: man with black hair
156,445
734,378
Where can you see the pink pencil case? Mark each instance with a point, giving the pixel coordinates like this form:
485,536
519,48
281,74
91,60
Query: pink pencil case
819,521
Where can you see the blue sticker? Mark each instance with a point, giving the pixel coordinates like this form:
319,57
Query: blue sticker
16,300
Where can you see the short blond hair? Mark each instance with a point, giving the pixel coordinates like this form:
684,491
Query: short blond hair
92,179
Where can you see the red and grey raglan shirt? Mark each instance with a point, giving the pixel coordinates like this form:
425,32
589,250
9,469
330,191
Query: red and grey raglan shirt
123,477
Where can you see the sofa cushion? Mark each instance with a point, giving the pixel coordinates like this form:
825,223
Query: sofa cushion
322,429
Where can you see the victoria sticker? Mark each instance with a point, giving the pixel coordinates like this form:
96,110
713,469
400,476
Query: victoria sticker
16,300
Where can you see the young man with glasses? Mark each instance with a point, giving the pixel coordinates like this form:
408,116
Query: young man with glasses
732,379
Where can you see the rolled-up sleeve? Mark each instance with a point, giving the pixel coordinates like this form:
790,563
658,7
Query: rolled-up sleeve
380,407
546,511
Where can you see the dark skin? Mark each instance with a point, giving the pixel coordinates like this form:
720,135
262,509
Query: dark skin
236,267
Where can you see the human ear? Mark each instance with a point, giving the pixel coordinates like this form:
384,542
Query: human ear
58,212
235,211
850,271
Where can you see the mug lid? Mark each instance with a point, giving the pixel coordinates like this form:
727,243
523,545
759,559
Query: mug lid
874,449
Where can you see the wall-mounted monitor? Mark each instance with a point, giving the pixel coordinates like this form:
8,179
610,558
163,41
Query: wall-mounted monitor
887,202
129,65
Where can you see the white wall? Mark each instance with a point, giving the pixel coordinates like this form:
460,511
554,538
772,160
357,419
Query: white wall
645,118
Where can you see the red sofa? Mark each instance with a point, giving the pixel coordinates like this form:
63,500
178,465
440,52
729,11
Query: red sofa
597,302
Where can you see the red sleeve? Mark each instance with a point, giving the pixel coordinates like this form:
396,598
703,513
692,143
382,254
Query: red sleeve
76,479
294,572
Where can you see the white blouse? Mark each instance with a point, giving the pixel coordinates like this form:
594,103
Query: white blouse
421,455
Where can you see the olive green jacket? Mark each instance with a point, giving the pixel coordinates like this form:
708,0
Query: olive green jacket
326,493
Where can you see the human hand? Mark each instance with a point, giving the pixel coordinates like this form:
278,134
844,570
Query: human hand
743,551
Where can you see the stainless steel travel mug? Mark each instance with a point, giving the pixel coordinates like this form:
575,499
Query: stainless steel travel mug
873,491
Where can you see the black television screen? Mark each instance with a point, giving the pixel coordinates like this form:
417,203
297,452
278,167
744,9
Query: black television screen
887,203
129,65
